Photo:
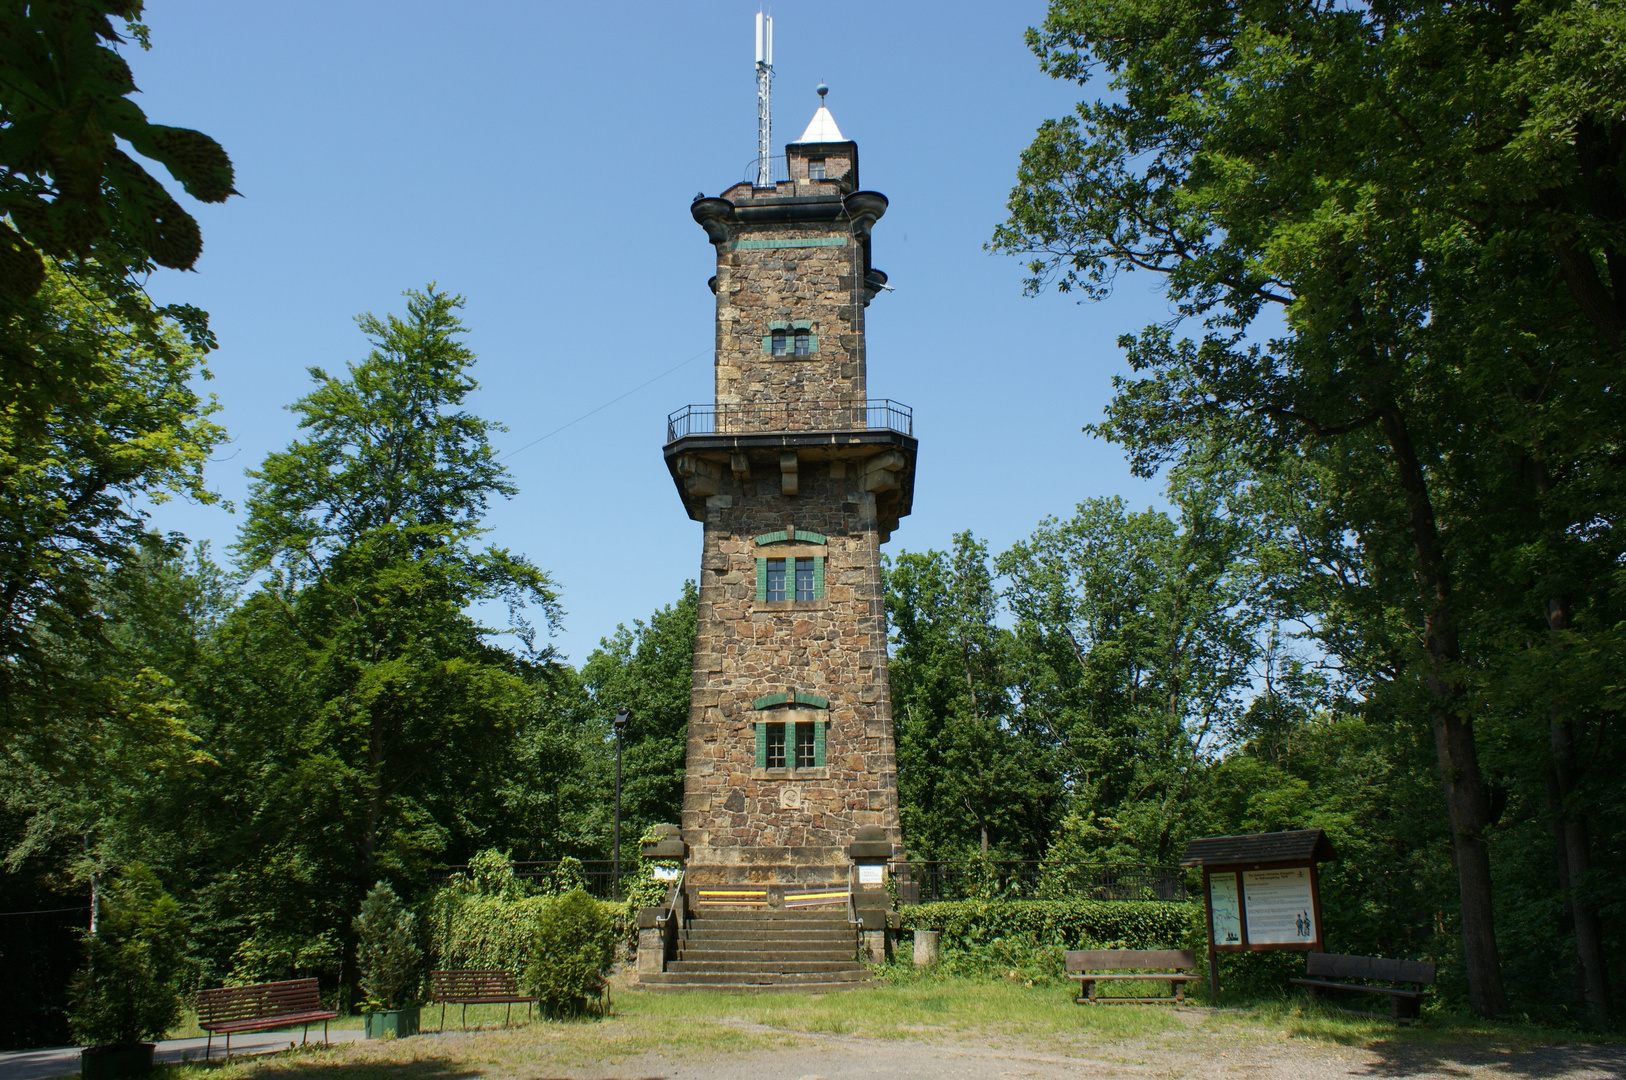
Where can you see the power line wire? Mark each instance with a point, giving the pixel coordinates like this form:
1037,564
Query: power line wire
606,405
46,911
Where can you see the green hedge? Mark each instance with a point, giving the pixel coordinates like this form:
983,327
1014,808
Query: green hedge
468,930
1027,937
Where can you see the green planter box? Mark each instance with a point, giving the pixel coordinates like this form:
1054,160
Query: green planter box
115,1061
392,1023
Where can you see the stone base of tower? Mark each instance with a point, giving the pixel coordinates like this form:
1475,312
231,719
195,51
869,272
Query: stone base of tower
770,866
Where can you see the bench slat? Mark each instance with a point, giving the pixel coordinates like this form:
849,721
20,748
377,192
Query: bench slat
1369,967
476,987
1390,990
260,1002
1166,977
1096,959
267,1023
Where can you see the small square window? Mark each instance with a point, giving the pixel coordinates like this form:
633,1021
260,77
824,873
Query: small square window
804,343
776,745
815,169
776,579
804,579
804,746
778,343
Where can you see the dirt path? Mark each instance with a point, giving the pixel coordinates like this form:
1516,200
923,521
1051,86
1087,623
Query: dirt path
841,1057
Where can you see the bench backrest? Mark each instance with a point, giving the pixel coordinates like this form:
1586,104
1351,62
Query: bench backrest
473,982
1124,959
251,1002
1368,967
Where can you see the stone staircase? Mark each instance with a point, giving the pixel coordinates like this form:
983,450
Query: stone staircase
808,951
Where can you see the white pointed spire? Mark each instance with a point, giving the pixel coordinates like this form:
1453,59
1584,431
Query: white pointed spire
822,128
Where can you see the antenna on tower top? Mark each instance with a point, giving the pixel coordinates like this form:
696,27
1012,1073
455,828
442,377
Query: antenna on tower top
764,100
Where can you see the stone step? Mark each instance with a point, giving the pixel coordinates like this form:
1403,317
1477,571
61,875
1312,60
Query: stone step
698,933
774,923
775,953
763,963
752,978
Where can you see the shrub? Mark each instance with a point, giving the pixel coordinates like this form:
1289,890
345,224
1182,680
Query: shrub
387,952
470,929
135,965
571,954
1029,936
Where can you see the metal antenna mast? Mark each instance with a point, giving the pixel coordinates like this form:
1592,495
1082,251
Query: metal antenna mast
764,100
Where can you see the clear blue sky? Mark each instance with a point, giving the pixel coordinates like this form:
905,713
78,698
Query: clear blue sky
540,158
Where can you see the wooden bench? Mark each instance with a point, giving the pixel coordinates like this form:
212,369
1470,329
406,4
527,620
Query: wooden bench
466,987
1102,965
260,1007
1321,969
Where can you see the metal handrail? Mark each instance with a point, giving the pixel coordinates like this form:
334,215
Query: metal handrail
854,924
671,924
745,418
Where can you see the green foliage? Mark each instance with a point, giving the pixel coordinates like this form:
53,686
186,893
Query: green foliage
365,711
973,773
571,953
1391,226
993,937
491,873
648,669
646,890
387,951
488,919
135,964
64,182
98,411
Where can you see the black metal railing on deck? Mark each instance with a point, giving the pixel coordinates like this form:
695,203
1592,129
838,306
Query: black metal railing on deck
1023,879
876,414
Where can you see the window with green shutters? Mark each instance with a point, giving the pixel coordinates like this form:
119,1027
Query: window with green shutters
794,742
800,578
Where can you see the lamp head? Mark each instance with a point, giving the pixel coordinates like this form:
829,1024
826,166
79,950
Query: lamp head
623,716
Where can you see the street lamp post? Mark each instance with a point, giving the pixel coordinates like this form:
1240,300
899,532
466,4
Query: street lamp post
622,717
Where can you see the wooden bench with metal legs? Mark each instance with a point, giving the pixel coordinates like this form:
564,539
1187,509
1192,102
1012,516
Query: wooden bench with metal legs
261,1007
1091,967
465,987
1405,1003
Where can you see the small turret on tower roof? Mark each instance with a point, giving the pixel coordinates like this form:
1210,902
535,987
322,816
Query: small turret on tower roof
822,128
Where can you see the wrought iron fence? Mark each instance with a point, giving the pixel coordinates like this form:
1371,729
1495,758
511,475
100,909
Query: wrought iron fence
878,414
1032,879
598,875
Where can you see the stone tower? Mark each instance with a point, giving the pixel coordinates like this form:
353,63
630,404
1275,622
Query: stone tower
798,477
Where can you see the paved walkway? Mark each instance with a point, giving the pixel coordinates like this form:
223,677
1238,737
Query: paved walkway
64,1060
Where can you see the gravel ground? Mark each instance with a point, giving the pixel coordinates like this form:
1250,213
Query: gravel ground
839,1057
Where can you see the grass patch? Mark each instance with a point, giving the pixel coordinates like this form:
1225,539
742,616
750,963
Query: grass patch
645,1027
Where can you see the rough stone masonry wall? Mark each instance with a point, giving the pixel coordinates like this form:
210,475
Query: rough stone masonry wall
756,287
743,823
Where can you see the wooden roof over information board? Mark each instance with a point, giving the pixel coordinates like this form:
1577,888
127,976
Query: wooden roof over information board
1297,845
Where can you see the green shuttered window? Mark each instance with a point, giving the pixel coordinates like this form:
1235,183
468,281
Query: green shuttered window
783,579
762,745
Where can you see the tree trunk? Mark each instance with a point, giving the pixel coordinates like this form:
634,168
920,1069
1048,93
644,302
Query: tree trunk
1453,730
1574,850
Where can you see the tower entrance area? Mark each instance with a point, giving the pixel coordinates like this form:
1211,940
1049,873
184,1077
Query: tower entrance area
798,477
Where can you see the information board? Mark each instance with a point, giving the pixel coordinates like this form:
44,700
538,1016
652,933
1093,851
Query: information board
872,874
1227,915
1280,906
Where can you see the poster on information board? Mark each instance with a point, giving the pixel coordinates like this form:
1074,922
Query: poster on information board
1261,892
